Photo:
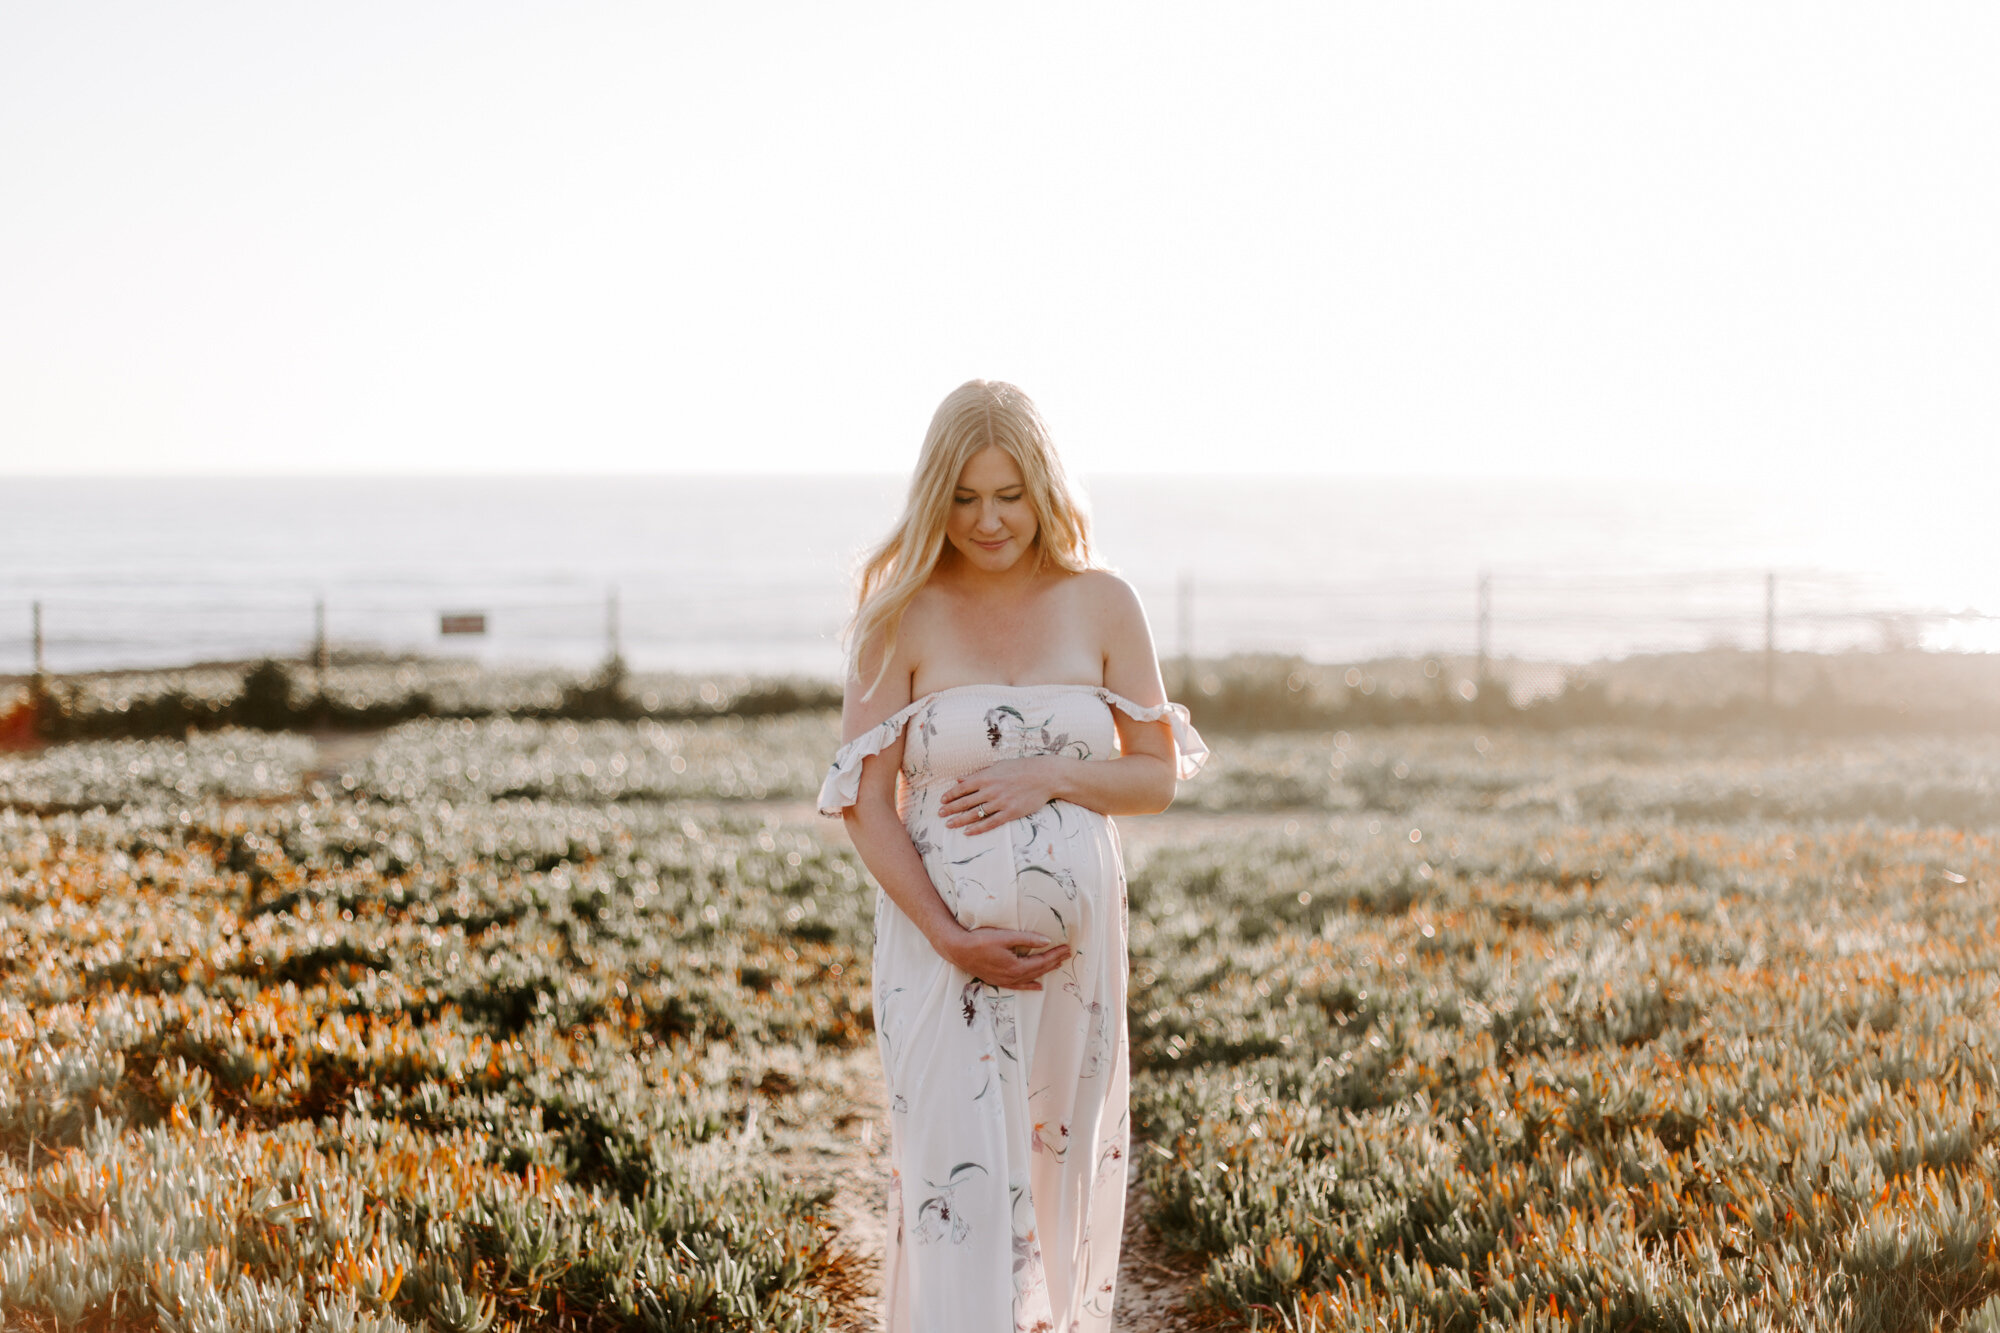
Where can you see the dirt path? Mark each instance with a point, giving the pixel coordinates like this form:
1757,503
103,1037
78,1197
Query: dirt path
1153,1283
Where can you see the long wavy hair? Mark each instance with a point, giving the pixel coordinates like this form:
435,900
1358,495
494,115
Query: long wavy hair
974,416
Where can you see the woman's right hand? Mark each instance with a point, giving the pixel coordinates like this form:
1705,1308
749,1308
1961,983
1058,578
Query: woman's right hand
1012,959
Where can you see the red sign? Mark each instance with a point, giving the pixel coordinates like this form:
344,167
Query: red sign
464,622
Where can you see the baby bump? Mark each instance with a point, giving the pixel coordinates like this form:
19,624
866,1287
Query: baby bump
1051,872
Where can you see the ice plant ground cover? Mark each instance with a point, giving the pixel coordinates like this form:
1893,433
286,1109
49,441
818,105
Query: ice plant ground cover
1458,1072
1603,1030
359,1063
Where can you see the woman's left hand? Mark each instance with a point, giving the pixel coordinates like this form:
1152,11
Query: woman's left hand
1000,793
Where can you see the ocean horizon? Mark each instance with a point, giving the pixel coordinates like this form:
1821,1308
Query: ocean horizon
752,573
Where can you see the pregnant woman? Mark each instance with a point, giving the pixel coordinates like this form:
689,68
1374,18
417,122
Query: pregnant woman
1011,686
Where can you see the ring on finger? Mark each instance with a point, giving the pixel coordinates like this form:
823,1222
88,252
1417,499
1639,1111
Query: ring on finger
980,813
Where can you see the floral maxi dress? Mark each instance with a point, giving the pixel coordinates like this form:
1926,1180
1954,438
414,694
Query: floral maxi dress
1008,1109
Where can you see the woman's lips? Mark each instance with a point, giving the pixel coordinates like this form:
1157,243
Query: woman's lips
989,546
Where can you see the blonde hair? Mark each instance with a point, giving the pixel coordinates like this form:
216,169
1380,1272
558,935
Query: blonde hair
976,415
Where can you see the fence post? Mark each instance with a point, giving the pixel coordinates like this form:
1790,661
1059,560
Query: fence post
1184,631
1485,633
1770,639
40,666
611,653
322,655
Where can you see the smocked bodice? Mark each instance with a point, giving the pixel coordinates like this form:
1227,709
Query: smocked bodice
953,732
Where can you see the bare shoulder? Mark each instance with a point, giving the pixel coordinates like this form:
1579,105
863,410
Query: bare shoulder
924,619
877,688
1124,638
1108,598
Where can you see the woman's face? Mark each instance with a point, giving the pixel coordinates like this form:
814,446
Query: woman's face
990,523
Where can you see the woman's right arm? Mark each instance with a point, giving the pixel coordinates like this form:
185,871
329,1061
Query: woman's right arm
1014,959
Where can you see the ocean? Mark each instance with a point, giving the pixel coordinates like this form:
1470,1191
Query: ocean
753,572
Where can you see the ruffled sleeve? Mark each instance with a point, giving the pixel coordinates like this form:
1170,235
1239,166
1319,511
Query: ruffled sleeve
1190,752
843,778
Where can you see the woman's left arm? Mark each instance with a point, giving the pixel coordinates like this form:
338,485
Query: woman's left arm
1139,782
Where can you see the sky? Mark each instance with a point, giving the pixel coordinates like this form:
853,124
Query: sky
1691,241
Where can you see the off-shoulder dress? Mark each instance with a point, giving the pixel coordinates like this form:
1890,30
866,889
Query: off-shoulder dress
1008,1109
